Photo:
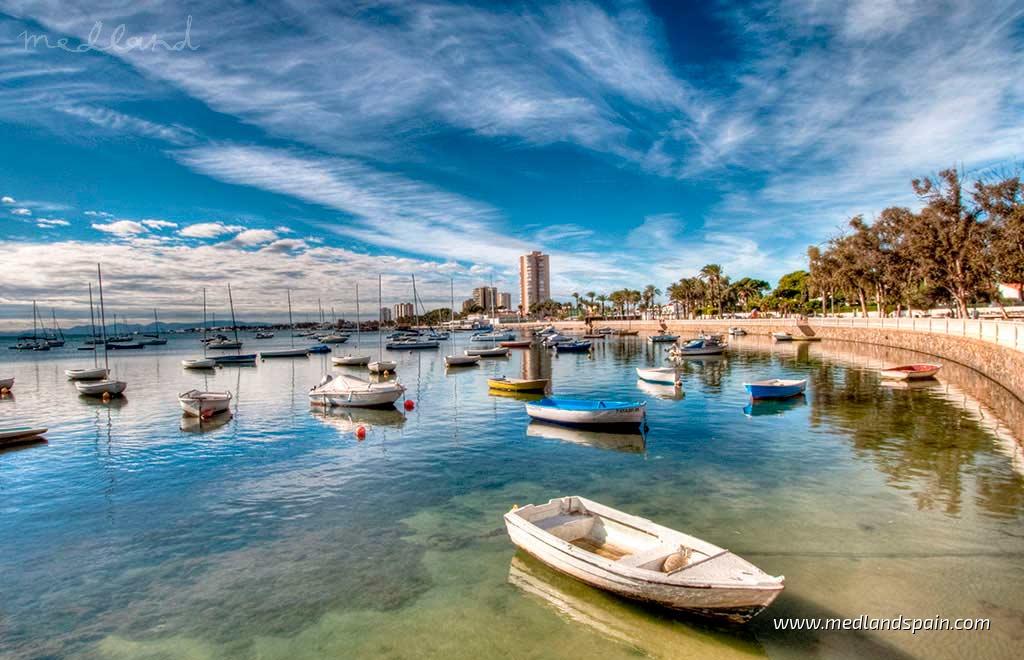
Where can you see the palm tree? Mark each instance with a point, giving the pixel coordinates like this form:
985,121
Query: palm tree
576,297
649,294
591,295
712,275
602,299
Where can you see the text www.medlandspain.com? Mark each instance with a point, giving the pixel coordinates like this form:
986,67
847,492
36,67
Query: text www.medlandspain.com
864,622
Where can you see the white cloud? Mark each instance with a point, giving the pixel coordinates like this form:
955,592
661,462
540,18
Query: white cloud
99,214
251,237
21,211
209,230
49,223
159,224
7,200
121,228
119,122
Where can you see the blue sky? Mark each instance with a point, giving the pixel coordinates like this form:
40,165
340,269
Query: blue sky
304,146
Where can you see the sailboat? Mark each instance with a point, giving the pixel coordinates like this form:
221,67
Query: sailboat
122,342
353,359
287,352
381,365
107,387
203,362
97,372
454,360
416,341
220,342
36,344
57,338
154,339
237,358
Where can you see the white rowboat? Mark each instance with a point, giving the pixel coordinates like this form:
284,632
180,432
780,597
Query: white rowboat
354,392
585,412
100,387
96,373
199,363
350,360
500,351
667,375
20,434
204,404
639,559
382,366
461,360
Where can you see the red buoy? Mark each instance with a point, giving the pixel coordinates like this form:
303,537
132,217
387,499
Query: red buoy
361,432
409,405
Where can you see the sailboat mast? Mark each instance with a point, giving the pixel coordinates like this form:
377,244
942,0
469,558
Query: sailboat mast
452,329
103,320
415,308
35,333
204,321
92,329
358,323
231,302
291,325
380,320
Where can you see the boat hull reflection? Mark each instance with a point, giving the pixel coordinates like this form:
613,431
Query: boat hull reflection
611,440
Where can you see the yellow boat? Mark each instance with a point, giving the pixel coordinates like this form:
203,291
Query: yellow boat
518,384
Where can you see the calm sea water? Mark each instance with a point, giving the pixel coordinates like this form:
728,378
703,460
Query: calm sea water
277,534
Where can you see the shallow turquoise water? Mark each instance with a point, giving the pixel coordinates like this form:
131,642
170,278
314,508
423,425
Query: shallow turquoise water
277,534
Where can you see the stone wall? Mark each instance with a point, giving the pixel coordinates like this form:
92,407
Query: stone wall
1002,364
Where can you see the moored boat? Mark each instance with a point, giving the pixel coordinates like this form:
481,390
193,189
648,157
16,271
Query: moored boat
911,371
639,559
411,344
264,335
20,435
96,373
239,358
775,388
106,387
284,353
196,403
350,391
666,375
334,339
782,336
498,351
737,332
520,343
663,338
518,384
494,336
199,363
382,366
461,360
319,348
585,412
702,346
350,360
573,347
6,383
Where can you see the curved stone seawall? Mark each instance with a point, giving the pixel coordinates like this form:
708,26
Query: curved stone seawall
1002,364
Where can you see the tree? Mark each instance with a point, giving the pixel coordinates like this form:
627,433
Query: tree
747,290
602,299
591,295
792,291
1003,204
947,239
576,297
712,276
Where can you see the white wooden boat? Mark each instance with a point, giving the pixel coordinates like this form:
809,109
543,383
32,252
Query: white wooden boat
782,336
346,390
667,375
697,347
499,351
16,435
96,373
461,360
6,383
284,353
196,403
737,332
585,412
100,387
334,339
911,372
350,360
223,344
199,363
639,559
382,366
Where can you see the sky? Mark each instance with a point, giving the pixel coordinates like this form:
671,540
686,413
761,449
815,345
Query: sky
302,146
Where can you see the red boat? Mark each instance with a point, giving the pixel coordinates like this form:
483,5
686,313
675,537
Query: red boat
521,343
911,371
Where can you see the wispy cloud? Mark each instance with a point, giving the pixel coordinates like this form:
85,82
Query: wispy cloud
21,211
153,223
7,200
209,230
118,122
121,227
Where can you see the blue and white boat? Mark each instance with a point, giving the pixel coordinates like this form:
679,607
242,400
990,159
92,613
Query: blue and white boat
776,388
585,412
663,338
319,348
702,346
572,347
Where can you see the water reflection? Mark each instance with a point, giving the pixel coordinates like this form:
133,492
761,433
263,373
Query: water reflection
191,424
616,441
347,420
660,390
774,406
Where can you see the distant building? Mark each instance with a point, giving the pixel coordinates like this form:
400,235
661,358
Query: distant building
504,301
534,279
385,315
468,304
486,297
404,311
1012,291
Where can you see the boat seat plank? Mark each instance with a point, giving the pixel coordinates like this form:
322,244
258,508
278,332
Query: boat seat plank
658,552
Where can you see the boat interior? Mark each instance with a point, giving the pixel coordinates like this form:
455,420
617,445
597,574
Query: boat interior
603,535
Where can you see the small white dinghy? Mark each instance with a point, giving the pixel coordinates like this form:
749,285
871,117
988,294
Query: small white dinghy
20,434
101,387
199,363
782,336
585,412
196,403
346,390
665,375
499,351
350,360
461,360
382,366
636,558
97,373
